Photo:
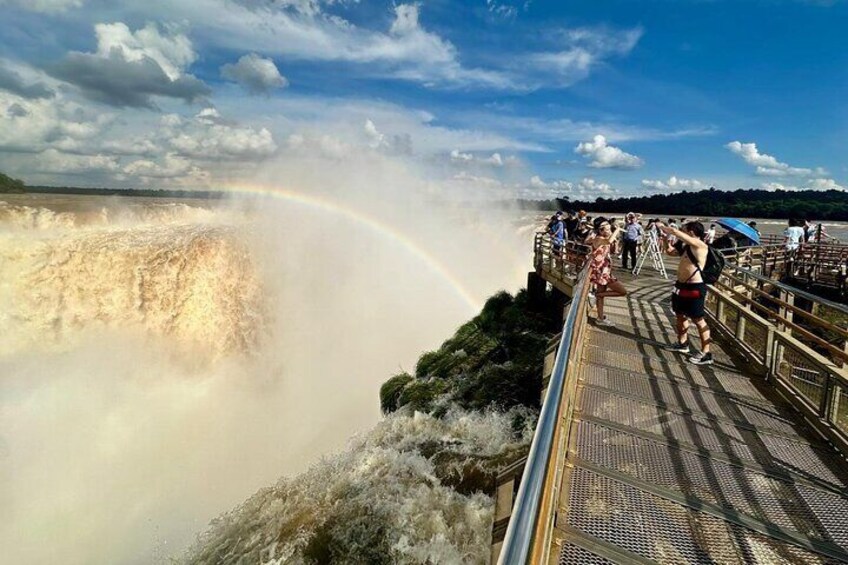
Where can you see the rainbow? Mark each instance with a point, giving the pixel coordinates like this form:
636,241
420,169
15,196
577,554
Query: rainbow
374,225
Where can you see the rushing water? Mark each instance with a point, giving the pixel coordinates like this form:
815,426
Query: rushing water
163,360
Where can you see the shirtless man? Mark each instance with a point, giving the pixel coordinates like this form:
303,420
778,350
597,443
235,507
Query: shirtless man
690,291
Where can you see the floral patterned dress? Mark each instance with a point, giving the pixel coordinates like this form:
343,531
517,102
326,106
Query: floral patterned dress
600,269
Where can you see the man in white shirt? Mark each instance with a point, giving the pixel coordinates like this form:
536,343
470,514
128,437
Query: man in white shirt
711,233
793,236
631,237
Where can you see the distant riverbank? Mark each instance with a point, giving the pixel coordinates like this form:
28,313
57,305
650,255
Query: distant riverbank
814,205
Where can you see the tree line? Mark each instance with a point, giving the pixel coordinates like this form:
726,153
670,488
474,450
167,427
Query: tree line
750,203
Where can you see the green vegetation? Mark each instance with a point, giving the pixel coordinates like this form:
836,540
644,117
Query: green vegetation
747,203
8,184
493,361
391,390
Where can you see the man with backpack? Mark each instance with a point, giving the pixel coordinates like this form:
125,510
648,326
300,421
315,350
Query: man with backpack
699,265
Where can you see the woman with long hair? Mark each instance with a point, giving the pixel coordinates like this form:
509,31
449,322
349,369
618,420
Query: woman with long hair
603,244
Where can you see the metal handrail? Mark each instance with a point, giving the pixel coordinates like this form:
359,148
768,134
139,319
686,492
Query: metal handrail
792,290
525,512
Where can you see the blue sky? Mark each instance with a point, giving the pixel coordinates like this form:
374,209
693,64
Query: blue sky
531,98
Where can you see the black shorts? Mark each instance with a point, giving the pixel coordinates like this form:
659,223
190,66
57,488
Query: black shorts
688,299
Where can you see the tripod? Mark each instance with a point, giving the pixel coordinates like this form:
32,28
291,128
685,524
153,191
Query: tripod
656,256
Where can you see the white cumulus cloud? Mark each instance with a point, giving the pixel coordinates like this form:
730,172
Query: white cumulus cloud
169,166
601,155
589,186
824,184
256,74
130,68
173,52
811,184
767,165
674,183
54,161
375,138
494,160
459,157
203,138
558,186
406,19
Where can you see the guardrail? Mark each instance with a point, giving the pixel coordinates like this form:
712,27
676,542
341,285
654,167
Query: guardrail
564,262
820,264
527,537
799,340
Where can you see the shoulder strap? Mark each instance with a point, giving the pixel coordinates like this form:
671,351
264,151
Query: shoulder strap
694,262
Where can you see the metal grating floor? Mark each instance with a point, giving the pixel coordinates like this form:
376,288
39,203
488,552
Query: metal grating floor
669,462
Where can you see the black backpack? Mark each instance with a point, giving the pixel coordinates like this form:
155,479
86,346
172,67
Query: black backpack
715,264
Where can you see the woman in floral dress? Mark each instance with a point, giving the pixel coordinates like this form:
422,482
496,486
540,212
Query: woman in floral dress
600,268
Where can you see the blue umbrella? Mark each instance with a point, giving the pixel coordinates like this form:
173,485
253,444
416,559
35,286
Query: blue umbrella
740,227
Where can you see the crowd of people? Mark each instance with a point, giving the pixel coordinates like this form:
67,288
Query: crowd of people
607,239
633,234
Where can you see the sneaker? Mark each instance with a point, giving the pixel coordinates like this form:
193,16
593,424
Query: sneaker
593,300
679,347
605,322
701,359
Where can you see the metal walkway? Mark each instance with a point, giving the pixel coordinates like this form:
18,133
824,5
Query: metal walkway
669,462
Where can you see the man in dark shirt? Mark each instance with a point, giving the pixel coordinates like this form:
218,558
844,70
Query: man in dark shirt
571,224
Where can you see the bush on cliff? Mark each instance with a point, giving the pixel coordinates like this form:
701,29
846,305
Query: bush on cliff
492,361
391,390
421,395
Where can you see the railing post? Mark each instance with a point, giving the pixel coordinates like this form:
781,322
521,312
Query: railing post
843,363
777,357
834,403
783,312
825,401
769,352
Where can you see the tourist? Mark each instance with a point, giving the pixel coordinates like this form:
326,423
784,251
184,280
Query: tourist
617,228
809,232
584,230
653,233
822,235
794,236
600,269
711,234
631,237
753,225
558,235
552,222
571,224
672,224
690,291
